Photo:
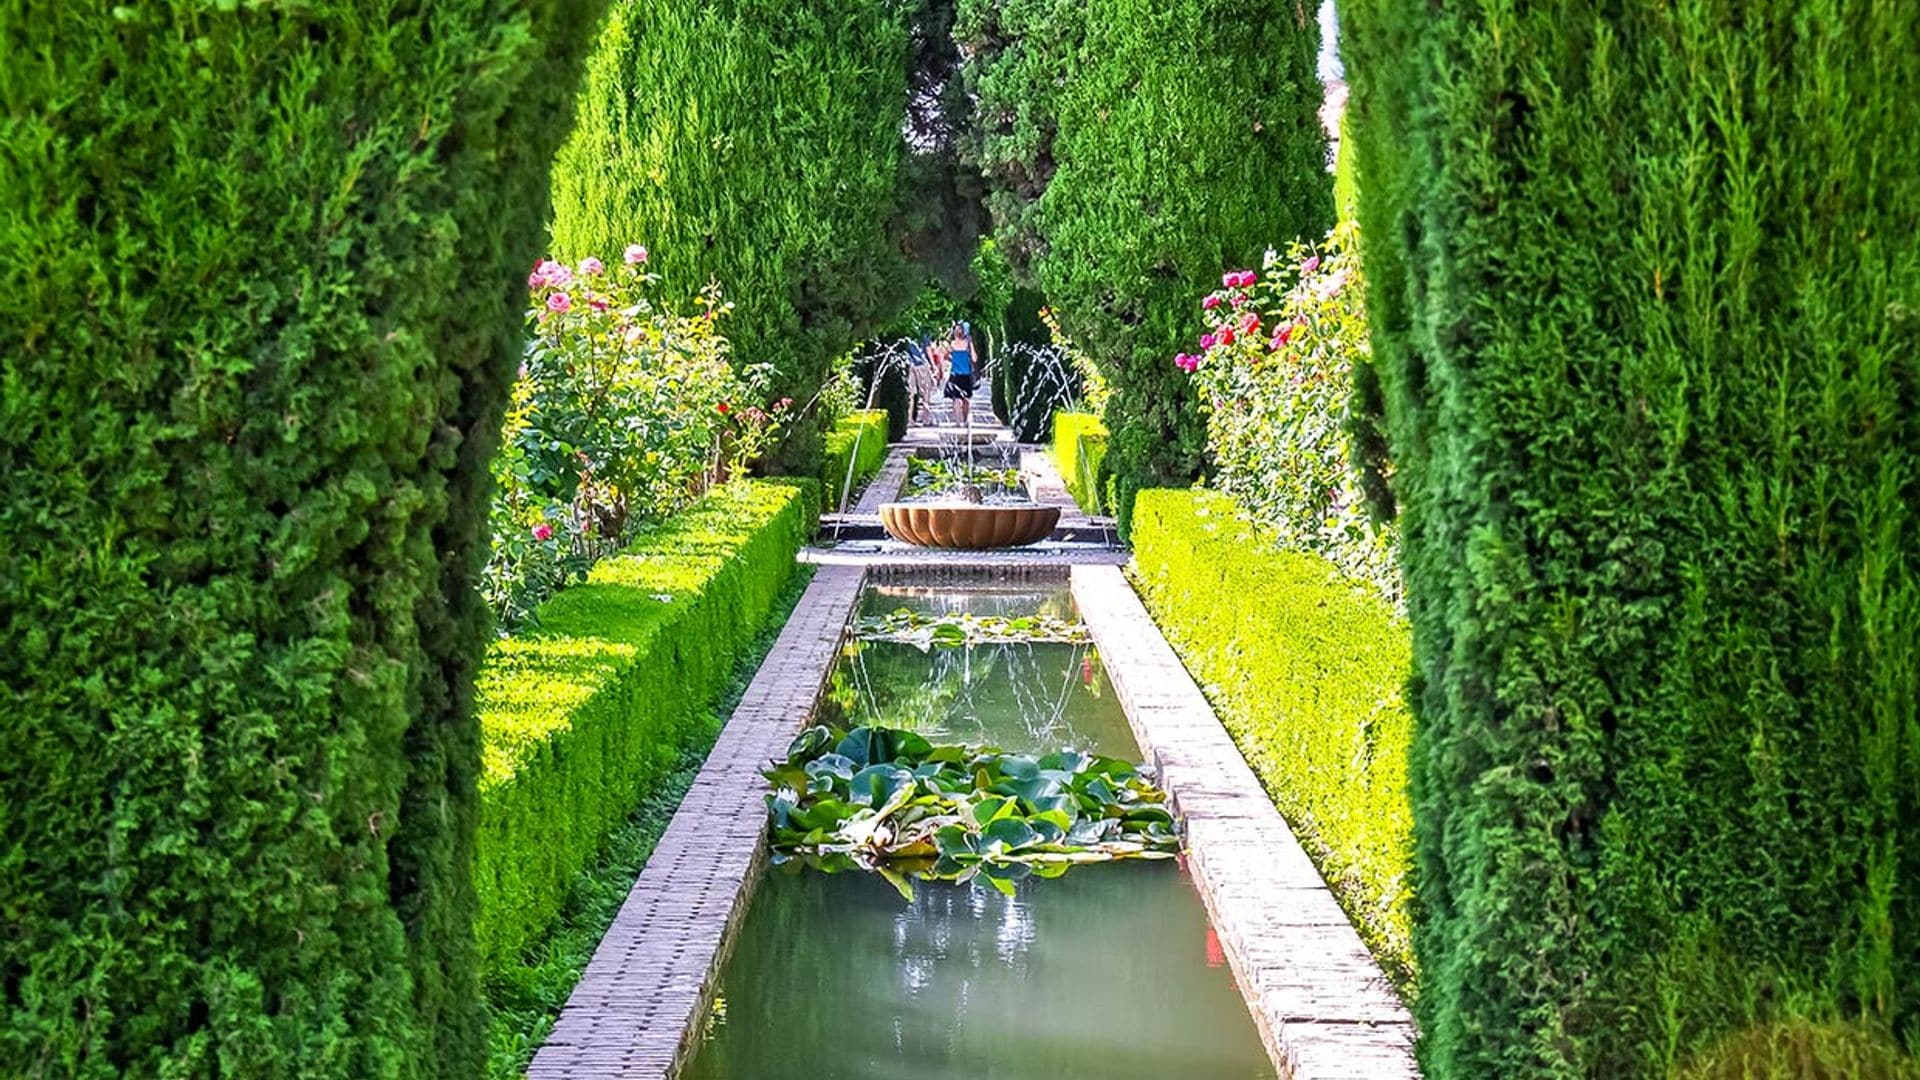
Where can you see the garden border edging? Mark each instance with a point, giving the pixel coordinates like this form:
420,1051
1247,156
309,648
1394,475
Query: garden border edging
1322,1005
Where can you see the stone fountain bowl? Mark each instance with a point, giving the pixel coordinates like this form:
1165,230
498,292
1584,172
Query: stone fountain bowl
967,526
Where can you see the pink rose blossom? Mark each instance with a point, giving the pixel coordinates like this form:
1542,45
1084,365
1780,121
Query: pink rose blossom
783,403
591,266
1186,363
559,302
1250,324
1212,301
636,254
543,531
1310,265
536,279
598,303
554,274
1207,340
1239,299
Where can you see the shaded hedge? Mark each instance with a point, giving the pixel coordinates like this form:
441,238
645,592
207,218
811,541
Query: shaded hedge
262,293
756,143
1645,300
1134,150
863,434
1305,670
1079,450
589,705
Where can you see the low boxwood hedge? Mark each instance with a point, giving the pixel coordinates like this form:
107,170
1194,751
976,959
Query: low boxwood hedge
1306,671
586,707
1079,452
863,433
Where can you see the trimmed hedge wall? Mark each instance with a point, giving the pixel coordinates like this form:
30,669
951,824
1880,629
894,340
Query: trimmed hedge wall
1133,151
756,143
1079,451
589,705
1306,671
262,270
1647,317
864,433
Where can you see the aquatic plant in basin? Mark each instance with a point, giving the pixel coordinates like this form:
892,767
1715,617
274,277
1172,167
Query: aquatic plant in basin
888,800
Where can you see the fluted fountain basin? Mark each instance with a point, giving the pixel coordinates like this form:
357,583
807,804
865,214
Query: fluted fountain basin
967,526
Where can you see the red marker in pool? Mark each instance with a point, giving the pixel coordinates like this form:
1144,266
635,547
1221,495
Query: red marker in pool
1086,671
1216,956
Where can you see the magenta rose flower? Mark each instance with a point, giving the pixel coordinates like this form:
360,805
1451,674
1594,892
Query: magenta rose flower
1310,265
1212,301
559,302
543,531
591,266
636,254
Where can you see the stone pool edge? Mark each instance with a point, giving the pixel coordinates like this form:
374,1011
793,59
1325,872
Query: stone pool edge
635,1011
1322,1005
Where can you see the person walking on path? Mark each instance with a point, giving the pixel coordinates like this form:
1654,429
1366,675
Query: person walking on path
960,373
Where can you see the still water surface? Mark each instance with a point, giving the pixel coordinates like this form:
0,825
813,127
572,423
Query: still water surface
1109,971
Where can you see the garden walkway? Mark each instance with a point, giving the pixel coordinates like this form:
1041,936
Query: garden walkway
1321,1004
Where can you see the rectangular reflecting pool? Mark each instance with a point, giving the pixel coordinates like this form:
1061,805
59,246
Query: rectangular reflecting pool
1109,971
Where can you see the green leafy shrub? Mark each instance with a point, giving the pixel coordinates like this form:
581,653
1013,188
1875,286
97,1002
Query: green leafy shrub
1079,450
1275,373
1133,149
757,143
1305,669
625,411
1643,287
261,266
1804,1050
860,439
587,706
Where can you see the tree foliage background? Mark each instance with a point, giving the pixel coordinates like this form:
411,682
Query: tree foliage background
1133,150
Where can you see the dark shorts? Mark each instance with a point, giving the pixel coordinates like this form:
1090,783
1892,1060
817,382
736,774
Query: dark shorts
960,386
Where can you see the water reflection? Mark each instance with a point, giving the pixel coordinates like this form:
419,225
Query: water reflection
1110,971
1101,973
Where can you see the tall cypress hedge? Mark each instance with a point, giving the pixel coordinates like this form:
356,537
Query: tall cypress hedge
756,143
1134,150
1647,305
259,303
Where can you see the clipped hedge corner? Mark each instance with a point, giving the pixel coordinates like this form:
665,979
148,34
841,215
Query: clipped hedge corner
863,433
1306,671
589,705
1080,451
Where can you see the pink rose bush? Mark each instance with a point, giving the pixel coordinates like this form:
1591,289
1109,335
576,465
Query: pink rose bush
619,416
1277,403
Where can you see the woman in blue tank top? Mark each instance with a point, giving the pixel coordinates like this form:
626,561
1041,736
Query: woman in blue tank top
960,372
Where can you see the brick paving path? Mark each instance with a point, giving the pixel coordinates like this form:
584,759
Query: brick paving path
633,1013
1323,1007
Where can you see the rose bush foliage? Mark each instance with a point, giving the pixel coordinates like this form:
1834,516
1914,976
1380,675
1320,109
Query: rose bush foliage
1275,374
626,410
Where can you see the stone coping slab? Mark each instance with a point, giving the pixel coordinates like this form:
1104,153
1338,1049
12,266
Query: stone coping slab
1322,1005
633,1013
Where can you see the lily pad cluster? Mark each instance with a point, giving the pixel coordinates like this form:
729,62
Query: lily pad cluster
962,628
936,476
888,800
